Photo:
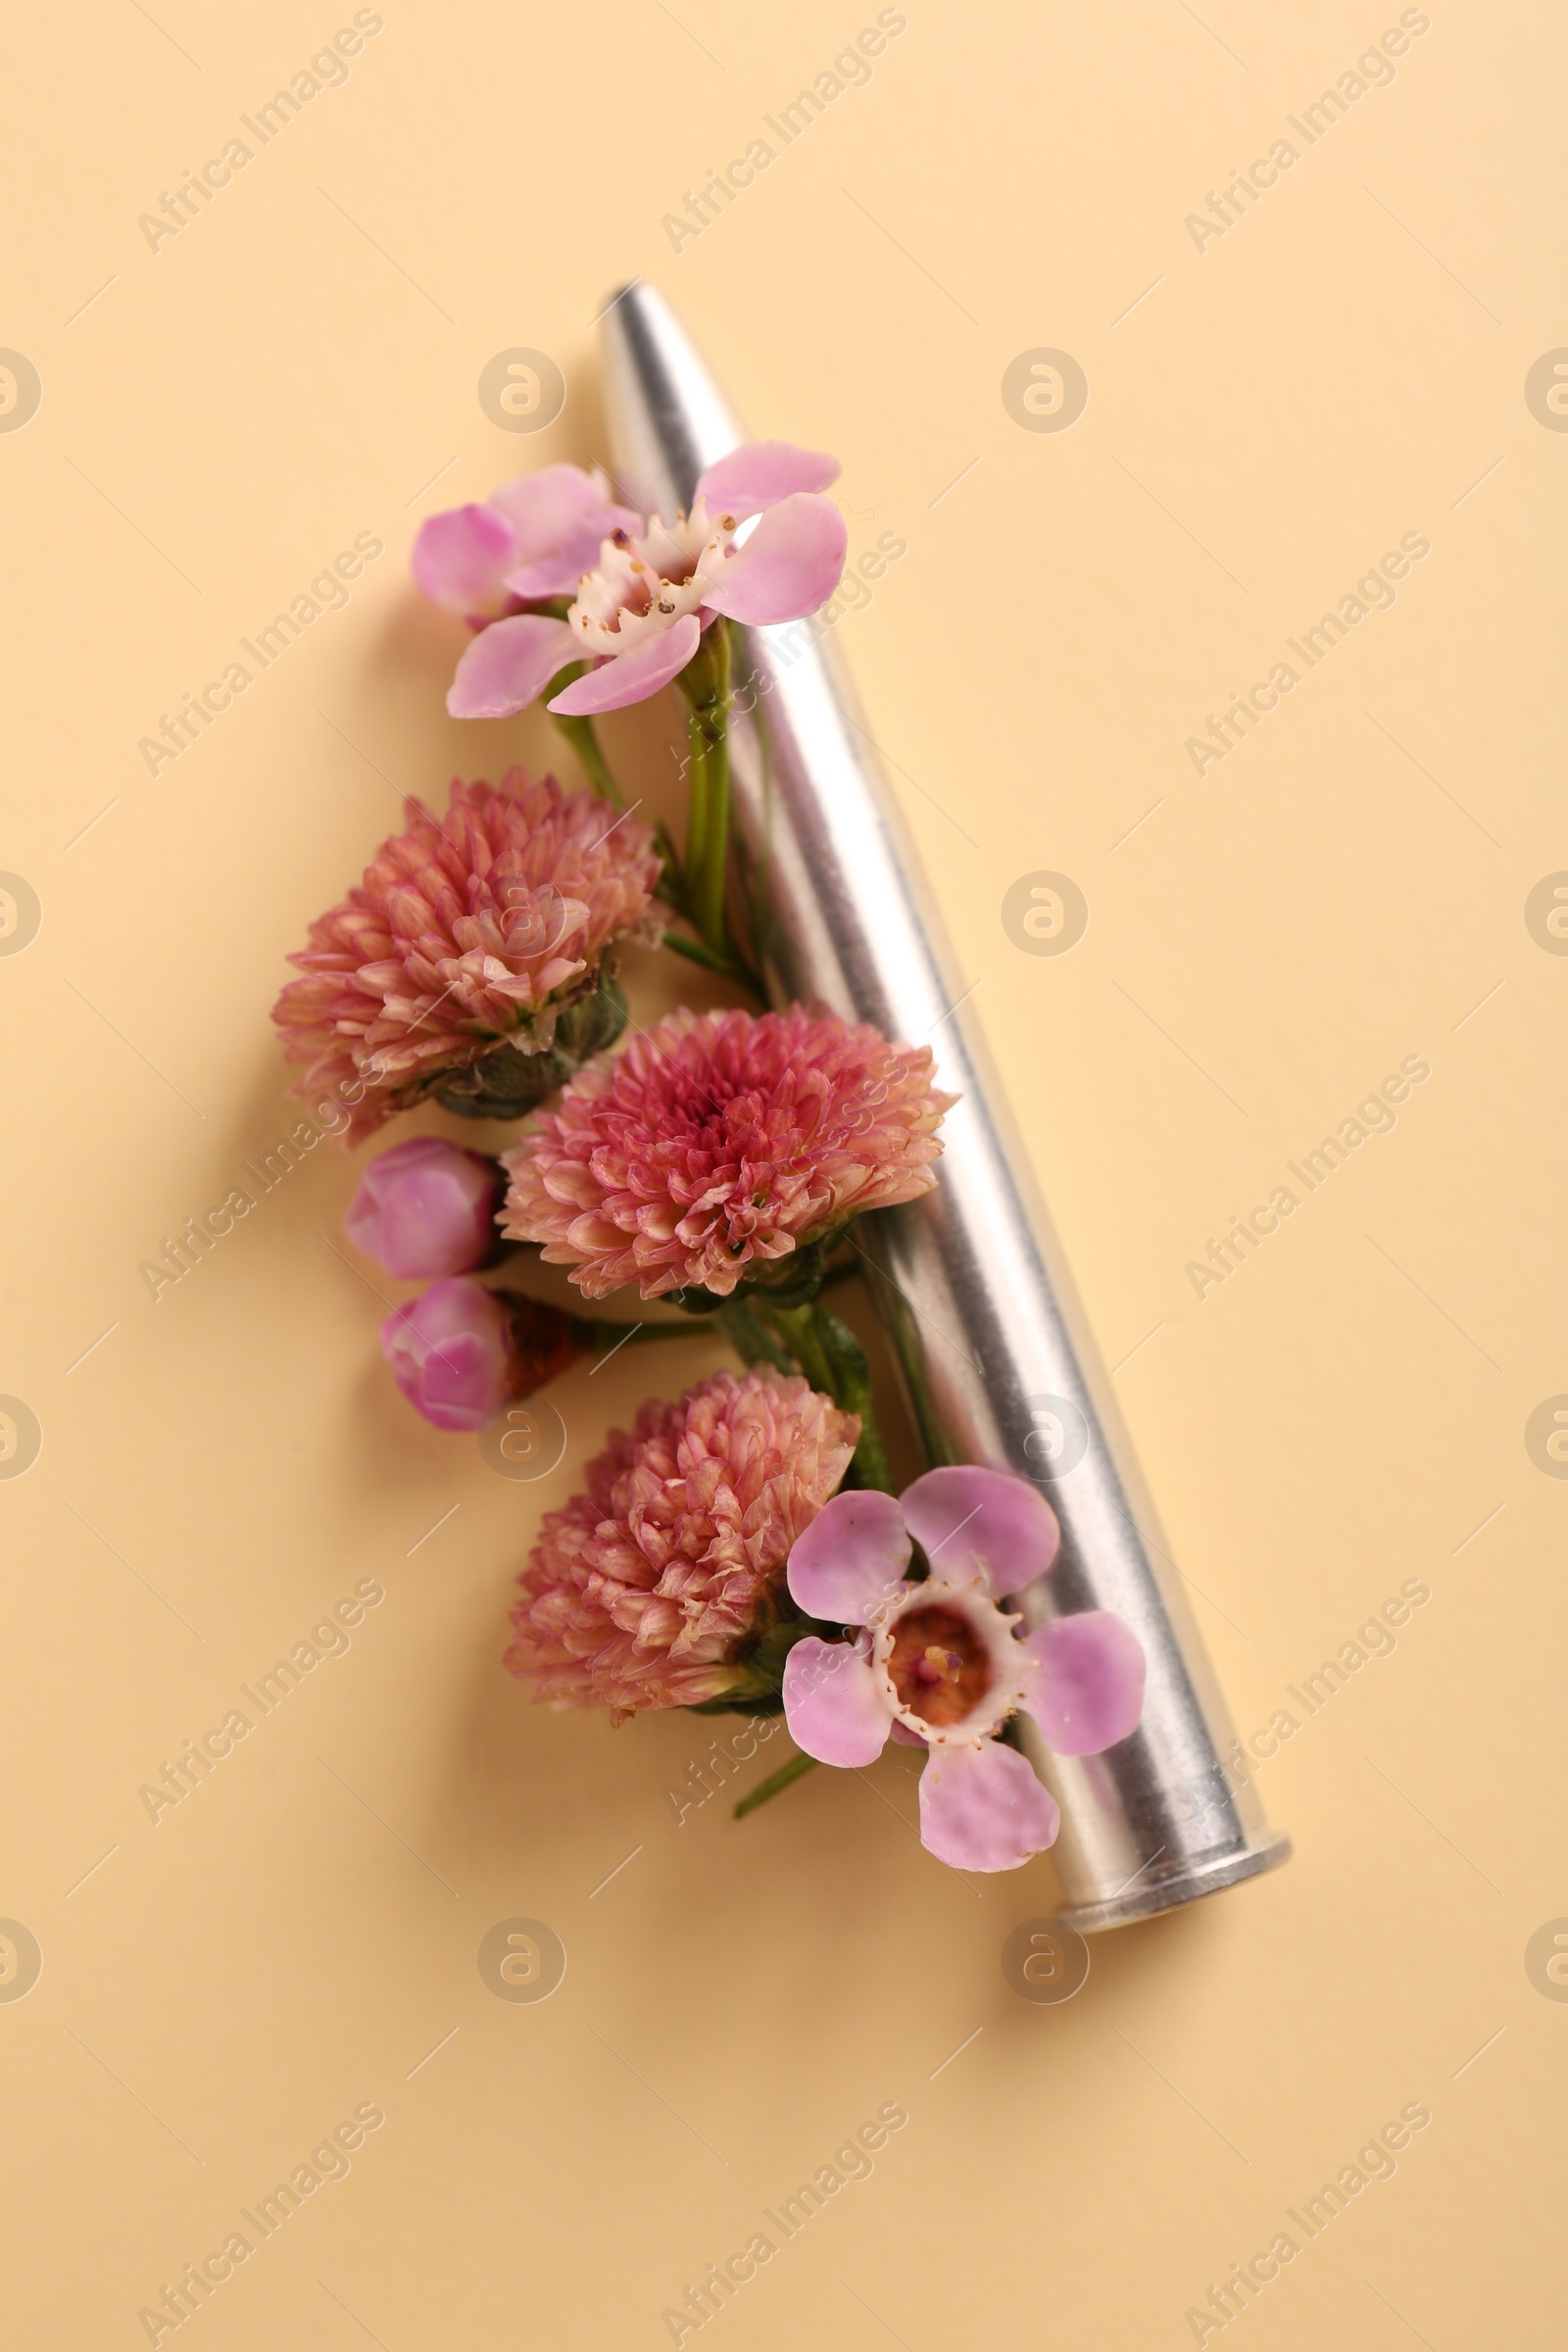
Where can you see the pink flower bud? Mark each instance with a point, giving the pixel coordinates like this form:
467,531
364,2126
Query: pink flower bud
452,1353
425,1208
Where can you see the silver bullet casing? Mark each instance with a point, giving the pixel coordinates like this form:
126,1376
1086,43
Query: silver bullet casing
998,1361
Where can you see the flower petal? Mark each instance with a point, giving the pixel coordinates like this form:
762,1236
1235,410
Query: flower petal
630,677
759,473
788,567
508,665
560,516
850,1559
542,507
450,1354
975,1522
982,1808
461,557
1089,1692
832,1703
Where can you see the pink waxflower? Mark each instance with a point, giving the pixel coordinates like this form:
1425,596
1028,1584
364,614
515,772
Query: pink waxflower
639,617
426,1208
655,1587
535,537
470,960
937,1660
717,1144
452,1354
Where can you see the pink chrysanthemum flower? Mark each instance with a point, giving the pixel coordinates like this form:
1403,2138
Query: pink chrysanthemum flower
469,960
646,1589
719,1142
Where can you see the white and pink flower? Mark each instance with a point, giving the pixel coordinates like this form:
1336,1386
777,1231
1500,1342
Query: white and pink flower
939,1662
533,538
639,615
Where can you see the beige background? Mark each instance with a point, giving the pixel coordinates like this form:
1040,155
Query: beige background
1344,366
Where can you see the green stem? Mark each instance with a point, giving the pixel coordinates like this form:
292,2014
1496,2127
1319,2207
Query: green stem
794,1770
834,1362
579,733
672,881
798,1327
750,1336
729,963
603,1334
705,682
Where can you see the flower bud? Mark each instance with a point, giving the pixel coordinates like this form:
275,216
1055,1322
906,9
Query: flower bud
452,1353
426,1208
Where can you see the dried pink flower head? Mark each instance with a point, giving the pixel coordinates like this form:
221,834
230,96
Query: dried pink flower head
719,1142
644,1591
468,961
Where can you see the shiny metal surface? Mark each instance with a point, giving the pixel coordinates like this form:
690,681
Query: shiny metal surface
970,1280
